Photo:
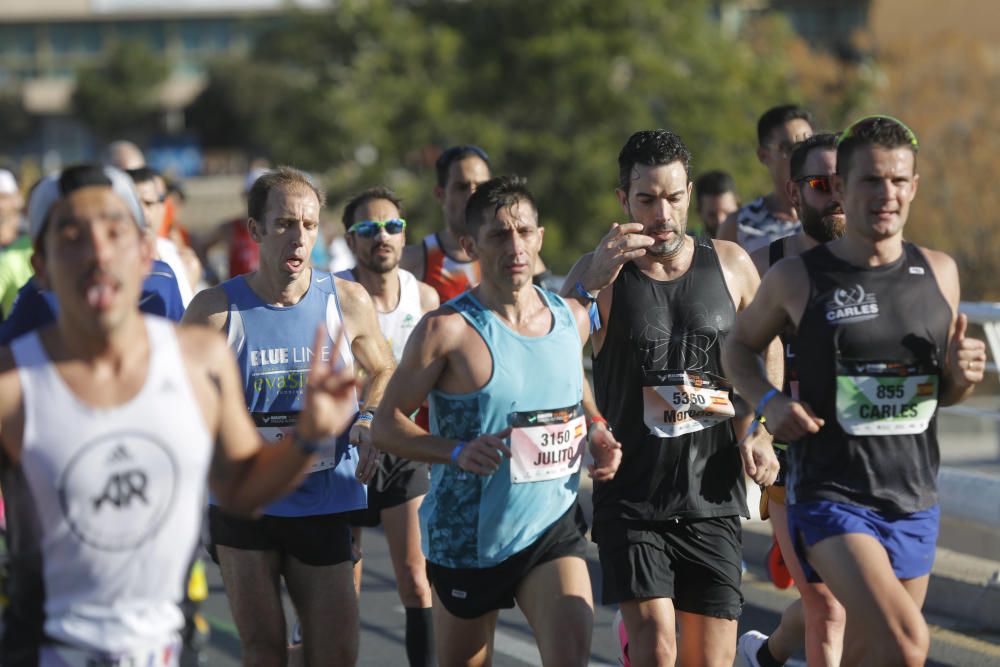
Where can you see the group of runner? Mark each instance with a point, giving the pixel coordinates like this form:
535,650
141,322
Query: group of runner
112,420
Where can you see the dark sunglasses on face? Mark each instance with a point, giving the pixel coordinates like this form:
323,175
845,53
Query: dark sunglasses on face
819,183
369,228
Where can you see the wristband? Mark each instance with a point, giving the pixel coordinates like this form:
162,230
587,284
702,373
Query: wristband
366,416
307,447
597,420
595,314
759,412
458,450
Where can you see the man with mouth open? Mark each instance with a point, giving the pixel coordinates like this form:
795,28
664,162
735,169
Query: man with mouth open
668,524
500,366
304,537
111,423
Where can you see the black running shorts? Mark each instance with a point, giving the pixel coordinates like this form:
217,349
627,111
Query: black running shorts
395,482
319,540
471,592
696,563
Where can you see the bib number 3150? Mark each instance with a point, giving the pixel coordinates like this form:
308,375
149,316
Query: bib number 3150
547,451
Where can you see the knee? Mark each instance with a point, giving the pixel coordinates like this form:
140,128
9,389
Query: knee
823,609
414,589
908,646
652,648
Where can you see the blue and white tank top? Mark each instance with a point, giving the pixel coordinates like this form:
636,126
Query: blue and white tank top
273,348
473,521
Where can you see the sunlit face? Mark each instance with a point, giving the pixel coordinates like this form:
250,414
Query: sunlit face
379,253
658,197
877,191
776,152
289,229
151,198
464,176
714,209
819,207
95,259
507,247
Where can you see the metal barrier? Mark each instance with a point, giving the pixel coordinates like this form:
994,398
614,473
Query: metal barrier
987,315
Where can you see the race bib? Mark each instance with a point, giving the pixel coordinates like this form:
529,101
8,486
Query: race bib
546,445
167,655
677,403
876,398
276,426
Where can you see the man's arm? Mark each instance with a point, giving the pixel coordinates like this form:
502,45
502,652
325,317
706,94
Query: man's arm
965,360
246,471
209,307
429,299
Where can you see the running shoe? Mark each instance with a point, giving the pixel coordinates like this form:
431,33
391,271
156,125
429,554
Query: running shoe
748,645
777,571
621,639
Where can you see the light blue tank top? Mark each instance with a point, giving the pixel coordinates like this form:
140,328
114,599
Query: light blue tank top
473,521
273,348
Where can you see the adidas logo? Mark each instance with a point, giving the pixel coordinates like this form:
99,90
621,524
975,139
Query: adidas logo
119,454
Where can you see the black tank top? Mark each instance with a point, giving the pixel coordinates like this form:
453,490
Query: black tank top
873,341
659,383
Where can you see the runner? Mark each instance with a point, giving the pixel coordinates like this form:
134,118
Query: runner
15,246
820,628
668,524
501,523
875,322
771,216
104,481
441,261
715,198
303,537
376,235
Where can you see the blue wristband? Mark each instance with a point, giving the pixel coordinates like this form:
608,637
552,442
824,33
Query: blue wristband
458,450
595,314
365,416
759,412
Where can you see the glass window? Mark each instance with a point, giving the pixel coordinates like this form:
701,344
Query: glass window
18,40
212,35
74,38
151,33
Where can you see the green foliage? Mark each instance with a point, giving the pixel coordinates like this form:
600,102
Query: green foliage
121,93
370,91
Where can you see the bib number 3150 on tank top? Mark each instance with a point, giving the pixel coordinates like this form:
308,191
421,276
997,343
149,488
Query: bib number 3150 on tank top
676,403
885,398
546,444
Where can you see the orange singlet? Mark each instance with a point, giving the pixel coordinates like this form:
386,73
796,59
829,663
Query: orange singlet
445,274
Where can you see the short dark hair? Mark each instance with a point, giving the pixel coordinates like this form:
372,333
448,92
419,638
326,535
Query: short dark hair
802,149
142,174
713,183
280,178
493,195
454,154
651,148
777,116
883,131
365,196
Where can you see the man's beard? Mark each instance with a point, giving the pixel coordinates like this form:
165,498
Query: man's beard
823,226
377,264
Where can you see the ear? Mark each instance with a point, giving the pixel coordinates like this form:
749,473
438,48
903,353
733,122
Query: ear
838,183
792,192
762,155
439,194
623,201
351,241
916,182
255,229
468,245
690,190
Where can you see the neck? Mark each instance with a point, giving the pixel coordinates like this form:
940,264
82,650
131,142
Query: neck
862,251
449,242
513,304
669,266
79,341
382,287
778,203
280,289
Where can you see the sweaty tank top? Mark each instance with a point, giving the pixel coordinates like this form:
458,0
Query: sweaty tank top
273,348
105,507
448,276
757,226
873,340
476,521
658,380
398,324
244,253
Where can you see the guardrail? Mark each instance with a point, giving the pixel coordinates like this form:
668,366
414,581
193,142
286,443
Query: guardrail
987,315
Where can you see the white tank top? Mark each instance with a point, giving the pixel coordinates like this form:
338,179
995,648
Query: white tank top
117,494
398,324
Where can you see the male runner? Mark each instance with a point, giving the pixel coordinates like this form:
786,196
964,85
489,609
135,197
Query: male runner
875,324
715,199
376,235
500,364
441,261
771,216
303,537
820,626
668,524
111,422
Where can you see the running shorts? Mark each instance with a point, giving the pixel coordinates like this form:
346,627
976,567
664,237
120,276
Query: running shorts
396,481
320,540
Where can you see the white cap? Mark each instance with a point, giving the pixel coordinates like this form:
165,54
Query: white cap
8,184
48,191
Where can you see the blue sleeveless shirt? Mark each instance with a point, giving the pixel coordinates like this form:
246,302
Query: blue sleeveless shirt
273,348
473,521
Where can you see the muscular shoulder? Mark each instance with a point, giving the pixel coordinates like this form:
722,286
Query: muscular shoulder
352,295
209,307
734,258
945,272
429,299
441,330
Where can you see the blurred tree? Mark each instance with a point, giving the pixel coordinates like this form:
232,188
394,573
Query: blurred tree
122,92
15,121
372,90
